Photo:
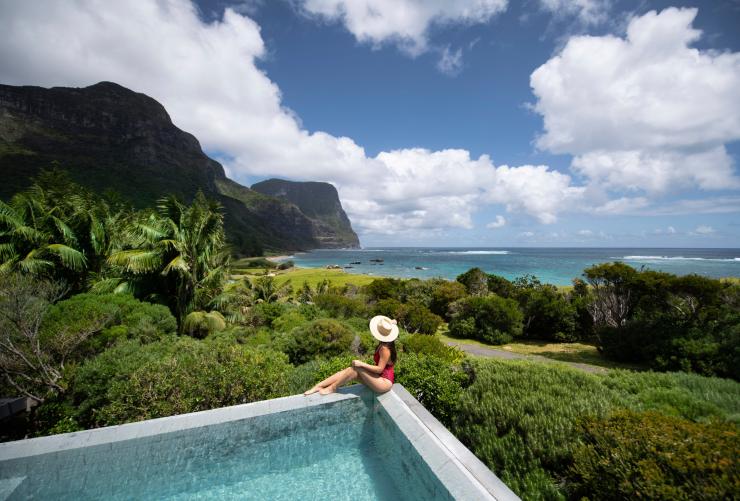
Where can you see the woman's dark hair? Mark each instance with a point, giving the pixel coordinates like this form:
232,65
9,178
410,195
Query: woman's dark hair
391,346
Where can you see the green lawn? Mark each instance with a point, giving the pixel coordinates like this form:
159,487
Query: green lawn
313,276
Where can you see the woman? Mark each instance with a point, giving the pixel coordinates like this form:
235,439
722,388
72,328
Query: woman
378,377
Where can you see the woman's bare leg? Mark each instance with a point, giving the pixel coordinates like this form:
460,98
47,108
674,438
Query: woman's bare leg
374,381
328,381
347,374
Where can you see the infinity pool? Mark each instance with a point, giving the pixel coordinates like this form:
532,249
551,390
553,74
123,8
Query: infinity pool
343,446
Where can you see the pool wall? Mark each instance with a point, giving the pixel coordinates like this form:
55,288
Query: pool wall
400,424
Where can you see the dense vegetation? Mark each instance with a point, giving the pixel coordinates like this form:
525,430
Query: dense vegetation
109,315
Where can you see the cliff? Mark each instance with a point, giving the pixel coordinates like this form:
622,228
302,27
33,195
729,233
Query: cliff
112,139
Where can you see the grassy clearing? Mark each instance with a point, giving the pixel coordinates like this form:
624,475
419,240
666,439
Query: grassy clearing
313,276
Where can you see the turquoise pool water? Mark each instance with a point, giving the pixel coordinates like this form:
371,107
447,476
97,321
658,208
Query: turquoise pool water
350,449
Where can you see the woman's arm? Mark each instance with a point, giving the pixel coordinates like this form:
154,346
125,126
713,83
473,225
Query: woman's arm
385,355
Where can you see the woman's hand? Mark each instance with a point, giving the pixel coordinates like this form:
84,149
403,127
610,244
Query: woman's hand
357,363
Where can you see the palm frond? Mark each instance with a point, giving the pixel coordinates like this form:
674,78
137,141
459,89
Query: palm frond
71,258
136,261
177,264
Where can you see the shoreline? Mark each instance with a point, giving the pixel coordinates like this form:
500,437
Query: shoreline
278,259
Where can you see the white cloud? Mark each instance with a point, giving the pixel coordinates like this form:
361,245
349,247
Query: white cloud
526,234
403,22
704,230
205,74
646,112
585,233
588,12
498,223
450,63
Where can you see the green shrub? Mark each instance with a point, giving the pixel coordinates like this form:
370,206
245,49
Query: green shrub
197,376
325,336
341,306
289,320
500,286
416,318
385,288
432,381
651,456
492,319
264,314
124,317
389,307
547,313
444,294
475,281
306,375
286,265
520,418
89,384
432,346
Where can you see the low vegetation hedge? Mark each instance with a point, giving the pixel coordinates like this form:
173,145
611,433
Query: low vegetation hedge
523,419
491,319
325,336
648,455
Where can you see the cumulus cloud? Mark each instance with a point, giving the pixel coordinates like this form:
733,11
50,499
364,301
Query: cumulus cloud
704,230
647,112
205,74
403,22
498,223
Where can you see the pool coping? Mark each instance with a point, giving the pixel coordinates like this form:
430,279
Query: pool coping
462,474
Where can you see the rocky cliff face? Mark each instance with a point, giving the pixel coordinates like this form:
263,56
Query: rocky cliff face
110,138
320,202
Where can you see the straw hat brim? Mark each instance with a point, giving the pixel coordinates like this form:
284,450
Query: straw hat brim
377,335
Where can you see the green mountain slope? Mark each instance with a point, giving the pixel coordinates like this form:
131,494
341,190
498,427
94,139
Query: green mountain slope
110,138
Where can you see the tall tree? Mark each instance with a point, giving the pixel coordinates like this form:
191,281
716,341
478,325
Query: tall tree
176,255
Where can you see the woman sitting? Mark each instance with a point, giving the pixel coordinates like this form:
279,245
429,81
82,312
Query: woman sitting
378,377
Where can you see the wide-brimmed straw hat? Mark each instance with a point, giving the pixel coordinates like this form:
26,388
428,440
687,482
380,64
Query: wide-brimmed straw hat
383,328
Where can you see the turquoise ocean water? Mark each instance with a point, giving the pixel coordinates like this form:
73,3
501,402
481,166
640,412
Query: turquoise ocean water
552,265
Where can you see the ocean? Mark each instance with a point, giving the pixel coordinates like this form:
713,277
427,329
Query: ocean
551,265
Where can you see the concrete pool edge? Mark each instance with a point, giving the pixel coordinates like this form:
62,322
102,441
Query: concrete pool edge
461,473
473,468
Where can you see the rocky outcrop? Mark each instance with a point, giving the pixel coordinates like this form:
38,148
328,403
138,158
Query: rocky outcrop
320,202
112,139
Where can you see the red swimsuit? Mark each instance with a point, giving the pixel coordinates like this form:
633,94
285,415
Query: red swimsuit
388,371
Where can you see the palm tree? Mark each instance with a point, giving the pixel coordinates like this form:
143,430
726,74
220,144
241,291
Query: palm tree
177,254
35,238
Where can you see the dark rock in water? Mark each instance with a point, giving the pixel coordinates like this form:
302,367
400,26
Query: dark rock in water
376,260
348,267
356,262
110,138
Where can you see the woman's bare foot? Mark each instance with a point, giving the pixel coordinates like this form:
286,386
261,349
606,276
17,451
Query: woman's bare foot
328,389
312,390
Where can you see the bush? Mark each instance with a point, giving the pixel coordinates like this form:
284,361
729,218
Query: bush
326,337
306,375
286,265
500,286
475,281
547,313
264,314
198,375
433,346
492,319
341,306
416,318
289,320
385,288
126,318
432,381
648,455
522,418
391,308
444,294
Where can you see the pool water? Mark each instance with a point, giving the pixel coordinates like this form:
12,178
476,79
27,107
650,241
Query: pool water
349,449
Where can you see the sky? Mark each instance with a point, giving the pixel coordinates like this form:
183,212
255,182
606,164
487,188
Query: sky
597,123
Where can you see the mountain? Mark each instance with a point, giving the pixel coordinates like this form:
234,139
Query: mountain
320,202
111,139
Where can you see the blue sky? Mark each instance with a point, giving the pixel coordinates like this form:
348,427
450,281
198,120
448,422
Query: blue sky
494,123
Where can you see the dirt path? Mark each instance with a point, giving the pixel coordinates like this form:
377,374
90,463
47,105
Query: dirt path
493,353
